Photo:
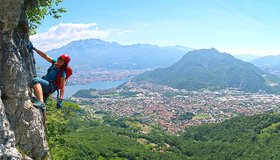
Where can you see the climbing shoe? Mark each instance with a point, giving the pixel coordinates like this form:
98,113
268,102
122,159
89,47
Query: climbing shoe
38,104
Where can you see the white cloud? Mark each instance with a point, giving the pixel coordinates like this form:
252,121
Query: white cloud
64,33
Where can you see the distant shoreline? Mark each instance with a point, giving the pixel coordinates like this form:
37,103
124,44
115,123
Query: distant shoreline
101,85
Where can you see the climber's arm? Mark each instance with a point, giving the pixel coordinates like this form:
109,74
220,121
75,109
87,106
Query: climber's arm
44,55
59,100
62,84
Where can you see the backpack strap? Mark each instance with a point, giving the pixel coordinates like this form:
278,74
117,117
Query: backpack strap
59,76
49,69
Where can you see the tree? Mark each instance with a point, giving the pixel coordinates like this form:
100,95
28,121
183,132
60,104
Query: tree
38,9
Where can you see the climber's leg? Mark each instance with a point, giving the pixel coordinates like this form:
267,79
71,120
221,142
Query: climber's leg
38,92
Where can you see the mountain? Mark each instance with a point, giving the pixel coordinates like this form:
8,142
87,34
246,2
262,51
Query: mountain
208,68
269,64
95,53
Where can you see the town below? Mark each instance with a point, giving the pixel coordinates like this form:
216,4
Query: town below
174,109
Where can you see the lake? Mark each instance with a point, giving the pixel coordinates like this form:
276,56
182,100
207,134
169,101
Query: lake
102,85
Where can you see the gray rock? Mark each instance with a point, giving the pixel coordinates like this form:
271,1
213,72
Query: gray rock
22,134
7,137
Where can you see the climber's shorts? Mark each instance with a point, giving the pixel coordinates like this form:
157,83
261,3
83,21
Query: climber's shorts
48,87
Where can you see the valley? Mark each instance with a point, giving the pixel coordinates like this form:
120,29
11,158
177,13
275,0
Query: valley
174,109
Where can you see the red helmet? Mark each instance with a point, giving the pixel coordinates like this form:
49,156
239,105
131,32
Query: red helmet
66,58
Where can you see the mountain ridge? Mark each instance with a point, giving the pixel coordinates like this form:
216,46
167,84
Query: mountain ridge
208,68
96,53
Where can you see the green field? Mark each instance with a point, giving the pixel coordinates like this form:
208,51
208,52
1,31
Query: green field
110,94
201,116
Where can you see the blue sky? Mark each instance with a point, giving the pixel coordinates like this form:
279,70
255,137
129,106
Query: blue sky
232,26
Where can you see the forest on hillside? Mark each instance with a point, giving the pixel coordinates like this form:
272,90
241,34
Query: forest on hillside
73,134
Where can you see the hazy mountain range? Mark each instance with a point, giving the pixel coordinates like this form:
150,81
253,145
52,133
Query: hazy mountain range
205,68
95,53
269,64
208,68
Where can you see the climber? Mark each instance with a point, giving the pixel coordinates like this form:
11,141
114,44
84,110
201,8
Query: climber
54,80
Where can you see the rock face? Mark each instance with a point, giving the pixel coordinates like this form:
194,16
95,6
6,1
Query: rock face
22,133
7,140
